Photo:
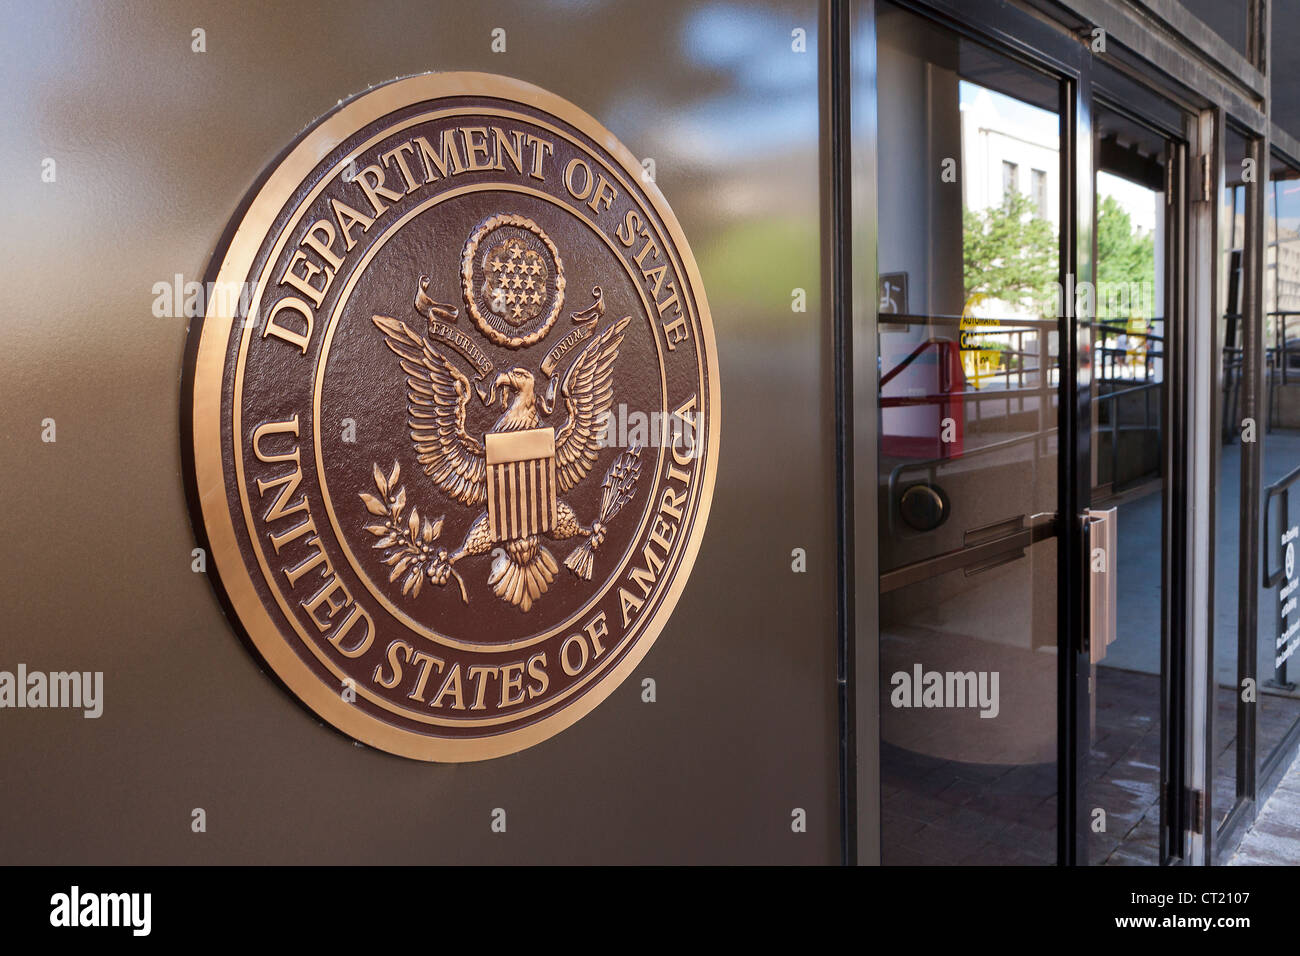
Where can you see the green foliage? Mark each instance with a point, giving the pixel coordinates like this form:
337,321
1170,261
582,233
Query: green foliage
755,263
1011,254
1126,263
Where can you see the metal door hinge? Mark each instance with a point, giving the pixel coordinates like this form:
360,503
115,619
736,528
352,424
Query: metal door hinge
1195,809
1207,179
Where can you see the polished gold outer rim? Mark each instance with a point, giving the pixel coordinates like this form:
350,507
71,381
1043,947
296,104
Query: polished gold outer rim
209,365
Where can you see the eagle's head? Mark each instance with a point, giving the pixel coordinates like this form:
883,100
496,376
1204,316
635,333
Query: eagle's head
521,381
521,410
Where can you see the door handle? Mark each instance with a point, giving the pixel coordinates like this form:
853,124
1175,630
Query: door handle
1103,539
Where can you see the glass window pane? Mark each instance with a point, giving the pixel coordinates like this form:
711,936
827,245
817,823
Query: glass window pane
1232,229
1279,617
969,266
1128,445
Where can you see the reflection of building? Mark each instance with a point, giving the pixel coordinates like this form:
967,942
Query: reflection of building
1008,145
1005,145
1048,409
1282,280
1288,270
1281,301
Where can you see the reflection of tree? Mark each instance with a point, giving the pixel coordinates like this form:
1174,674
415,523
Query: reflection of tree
1126,263
1010,254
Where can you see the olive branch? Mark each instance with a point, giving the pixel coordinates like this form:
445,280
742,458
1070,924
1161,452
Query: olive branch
410,541
618,488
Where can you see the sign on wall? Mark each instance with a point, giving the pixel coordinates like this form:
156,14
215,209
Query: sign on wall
409,437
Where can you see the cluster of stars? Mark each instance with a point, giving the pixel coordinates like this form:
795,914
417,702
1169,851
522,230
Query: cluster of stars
518,281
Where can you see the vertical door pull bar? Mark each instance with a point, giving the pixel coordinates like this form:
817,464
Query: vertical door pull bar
1103,538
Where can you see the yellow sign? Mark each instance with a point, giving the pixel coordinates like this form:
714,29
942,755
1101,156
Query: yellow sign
979,363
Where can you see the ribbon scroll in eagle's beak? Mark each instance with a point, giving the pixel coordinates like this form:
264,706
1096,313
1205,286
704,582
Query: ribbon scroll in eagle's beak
548,400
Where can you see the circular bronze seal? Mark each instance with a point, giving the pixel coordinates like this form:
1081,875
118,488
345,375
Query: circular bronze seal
452,416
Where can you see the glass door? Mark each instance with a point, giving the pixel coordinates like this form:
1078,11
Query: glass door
1131,661
1037,448
973,190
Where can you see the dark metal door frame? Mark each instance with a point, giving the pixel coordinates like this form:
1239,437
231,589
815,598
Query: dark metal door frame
837,149
1073,601
1177,534
1245,803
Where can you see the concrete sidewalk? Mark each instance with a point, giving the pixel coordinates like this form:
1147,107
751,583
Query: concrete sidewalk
1274,840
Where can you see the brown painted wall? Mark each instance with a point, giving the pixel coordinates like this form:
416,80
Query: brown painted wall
155,145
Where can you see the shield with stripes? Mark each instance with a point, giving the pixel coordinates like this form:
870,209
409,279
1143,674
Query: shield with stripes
520,482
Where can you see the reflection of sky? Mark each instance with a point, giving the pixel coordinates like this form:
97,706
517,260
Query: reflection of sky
770,100
28,70
1288,204
1040,125
1136,200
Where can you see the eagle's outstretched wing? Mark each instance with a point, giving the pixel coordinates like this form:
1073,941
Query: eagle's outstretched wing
588,392
437,396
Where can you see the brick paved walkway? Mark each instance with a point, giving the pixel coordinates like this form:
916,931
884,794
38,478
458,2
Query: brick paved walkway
1274,840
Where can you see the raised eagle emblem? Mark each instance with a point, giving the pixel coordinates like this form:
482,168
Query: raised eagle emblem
516,472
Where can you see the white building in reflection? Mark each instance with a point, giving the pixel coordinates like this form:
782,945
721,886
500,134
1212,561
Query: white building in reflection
1009,145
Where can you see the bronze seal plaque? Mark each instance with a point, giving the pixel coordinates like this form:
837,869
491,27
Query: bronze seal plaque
453,416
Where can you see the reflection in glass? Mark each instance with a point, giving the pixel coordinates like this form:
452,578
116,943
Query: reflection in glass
969,180
1278,637
1232,230
1128,445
